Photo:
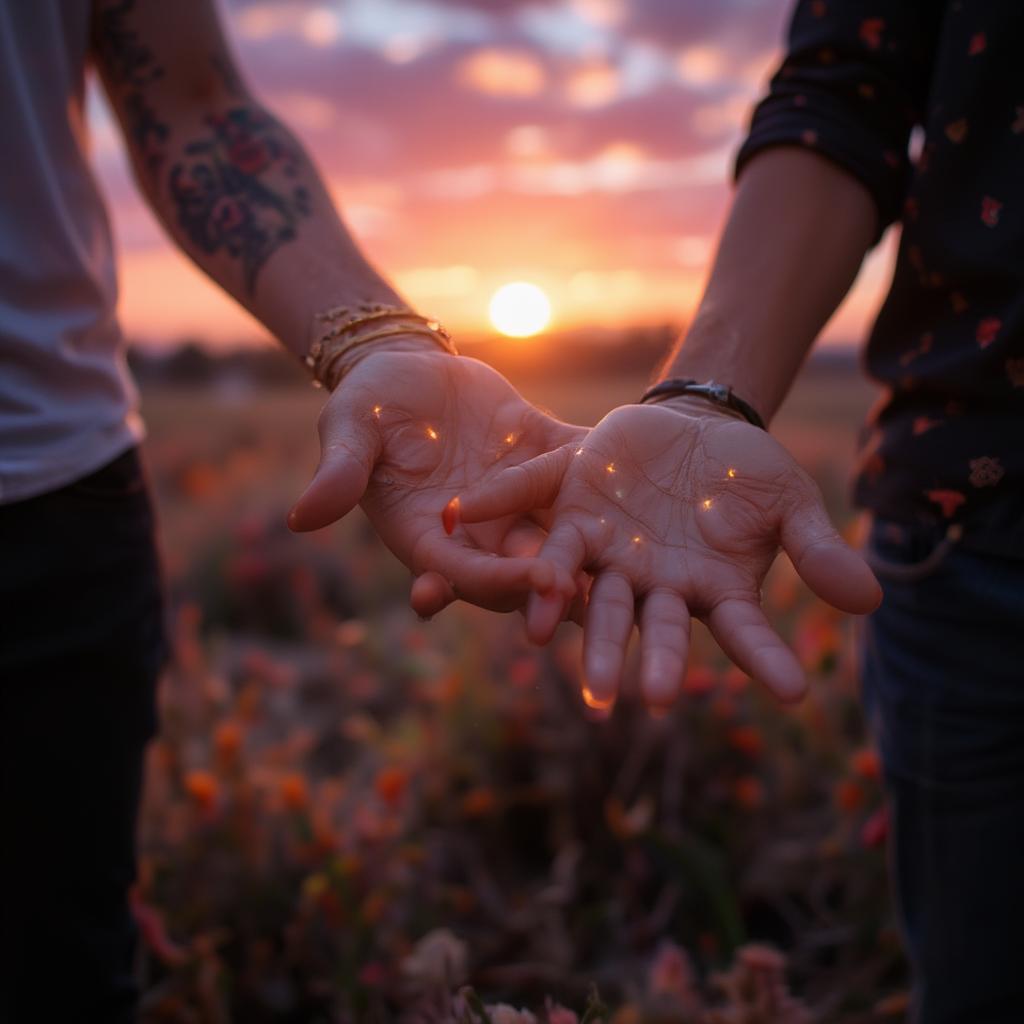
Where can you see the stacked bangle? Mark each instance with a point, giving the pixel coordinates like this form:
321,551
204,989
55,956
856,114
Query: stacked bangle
347,328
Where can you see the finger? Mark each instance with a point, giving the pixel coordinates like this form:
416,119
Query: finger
664,645
514,491
606,633
349,447
744,634
829,566
431,593
489,580
565,550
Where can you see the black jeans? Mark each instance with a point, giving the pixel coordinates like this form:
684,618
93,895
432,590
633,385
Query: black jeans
81,645
944,687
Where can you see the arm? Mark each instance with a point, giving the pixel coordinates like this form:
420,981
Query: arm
410,425
229,182
793,243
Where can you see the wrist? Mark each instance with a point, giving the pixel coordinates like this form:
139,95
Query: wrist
348,334
411,344
695,405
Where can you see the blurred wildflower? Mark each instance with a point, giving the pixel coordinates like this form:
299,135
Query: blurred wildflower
626,824
294,792
866,763
390,784
438,959
748,792
849,795
746,739
555,1013
479,802
875,831
502,1013
204,791
671,974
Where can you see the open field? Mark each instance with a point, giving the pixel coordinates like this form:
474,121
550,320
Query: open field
350,813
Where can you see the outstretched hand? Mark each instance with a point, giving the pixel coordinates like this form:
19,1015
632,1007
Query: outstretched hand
676,511
406,431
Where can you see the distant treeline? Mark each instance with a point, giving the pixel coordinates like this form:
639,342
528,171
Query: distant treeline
580,353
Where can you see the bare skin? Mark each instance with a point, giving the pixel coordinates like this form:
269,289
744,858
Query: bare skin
407,431
677,516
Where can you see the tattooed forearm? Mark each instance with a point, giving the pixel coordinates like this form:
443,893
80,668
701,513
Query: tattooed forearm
222,198
132,68
223,173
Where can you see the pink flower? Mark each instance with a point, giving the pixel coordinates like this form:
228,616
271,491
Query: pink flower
990,209
558,1014
671,973
875,830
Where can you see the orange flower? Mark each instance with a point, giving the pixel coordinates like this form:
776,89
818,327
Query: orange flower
746,739
735,680
866,763
227,742
624,823
202,787
390,784
699,680
748,792
374,906
294,792
479,802
849,796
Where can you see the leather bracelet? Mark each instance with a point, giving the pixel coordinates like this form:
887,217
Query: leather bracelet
720,394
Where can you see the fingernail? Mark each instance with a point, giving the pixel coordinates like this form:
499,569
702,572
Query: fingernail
450,516
597,702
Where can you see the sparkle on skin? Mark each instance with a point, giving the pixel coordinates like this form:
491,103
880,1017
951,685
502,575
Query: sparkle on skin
432,433
706,504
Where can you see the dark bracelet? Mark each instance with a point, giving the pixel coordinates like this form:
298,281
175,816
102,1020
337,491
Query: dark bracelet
721,394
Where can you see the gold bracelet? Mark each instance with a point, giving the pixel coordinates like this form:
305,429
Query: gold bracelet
335,355
351,332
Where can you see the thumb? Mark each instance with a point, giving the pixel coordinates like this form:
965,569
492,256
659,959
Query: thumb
517,490
824,561
349,449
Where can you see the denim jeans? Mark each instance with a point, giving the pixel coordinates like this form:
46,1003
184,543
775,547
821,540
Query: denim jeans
82,642
943,676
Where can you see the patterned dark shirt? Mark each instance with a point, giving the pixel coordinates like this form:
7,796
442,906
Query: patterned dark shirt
946,444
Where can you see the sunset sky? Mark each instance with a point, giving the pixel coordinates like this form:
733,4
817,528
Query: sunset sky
582,145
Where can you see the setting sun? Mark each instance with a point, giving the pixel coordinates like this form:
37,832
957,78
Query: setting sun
520,309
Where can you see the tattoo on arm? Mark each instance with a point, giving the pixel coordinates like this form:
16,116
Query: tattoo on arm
132,68
218,185
221,200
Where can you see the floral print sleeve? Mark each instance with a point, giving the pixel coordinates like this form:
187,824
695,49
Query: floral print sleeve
946,443
853,85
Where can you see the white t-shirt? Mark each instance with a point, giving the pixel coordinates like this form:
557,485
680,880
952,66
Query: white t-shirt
67,402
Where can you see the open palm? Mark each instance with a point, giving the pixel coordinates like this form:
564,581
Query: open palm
677,515
403,434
